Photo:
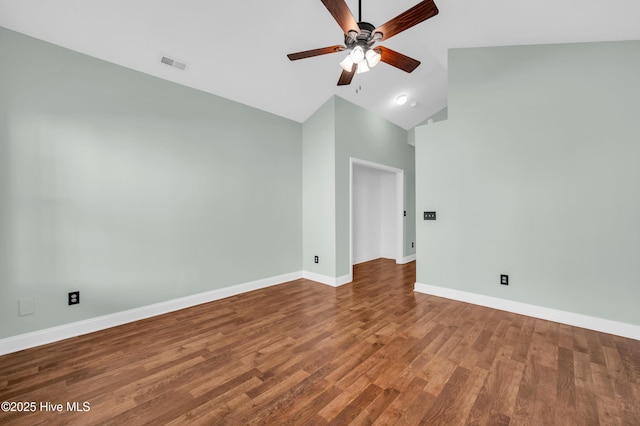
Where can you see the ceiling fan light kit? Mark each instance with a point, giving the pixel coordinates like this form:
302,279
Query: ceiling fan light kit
373,57
357,54
362,67
360,38
347,63
363,61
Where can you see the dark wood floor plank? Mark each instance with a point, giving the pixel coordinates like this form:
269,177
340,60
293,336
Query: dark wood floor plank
467,396
521,346
627,400
443,411
370,352
399,409
468,334
582,371
545,411
335,407
372,412
215,409
565,403
595,347
497,397
615,367
357,405
587,406
437,373
630,358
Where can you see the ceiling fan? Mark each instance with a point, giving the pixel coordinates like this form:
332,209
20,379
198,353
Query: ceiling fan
360,38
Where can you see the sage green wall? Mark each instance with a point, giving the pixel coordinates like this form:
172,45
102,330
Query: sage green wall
441,115
535,175
338,131
132,189
366,136
319,201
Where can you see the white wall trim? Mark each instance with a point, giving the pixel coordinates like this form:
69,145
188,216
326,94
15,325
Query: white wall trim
592,323
325,279
407,259
363,259
53,334
400,215
345,279
404,260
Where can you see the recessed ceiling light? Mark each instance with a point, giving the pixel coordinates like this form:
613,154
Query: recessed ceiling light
401,100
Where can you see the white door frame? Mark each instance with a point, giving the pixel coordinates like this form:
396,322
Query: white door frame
399,208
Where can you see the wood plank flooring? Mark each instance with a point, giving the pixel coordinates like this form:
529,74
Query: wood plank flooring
370,352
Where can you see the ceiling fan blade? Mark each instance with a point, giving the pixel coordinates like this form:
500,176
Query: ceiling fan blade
397,59
346,76
418,13
315,52
343,16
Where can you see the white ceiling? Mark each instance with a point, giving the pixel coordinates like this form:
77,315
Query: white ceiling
237,49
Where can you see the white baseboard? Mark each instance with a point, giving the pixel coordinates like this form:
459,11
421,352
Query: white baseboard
53,334
363,259
325,279
592,323
345,279
402,261
406,259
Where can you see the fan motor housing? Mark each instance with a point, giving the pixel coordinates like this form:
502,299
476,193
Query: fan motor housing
364,39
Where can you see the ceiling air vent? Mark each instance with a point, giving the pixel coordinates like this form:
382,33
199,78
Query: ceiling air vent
173,63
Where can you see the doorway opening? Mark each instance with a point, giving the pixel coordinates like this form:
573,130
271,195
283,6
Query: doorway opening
376,212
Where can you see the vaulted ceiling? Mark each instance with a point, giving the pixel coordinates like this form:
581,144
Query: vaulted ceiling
237,49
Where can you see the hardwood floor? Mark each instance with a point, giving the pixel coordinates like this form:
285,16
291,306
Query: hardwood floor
304,353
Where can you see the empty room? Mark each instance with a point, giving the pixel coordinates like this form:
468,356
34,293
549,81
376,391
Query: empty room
319,212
